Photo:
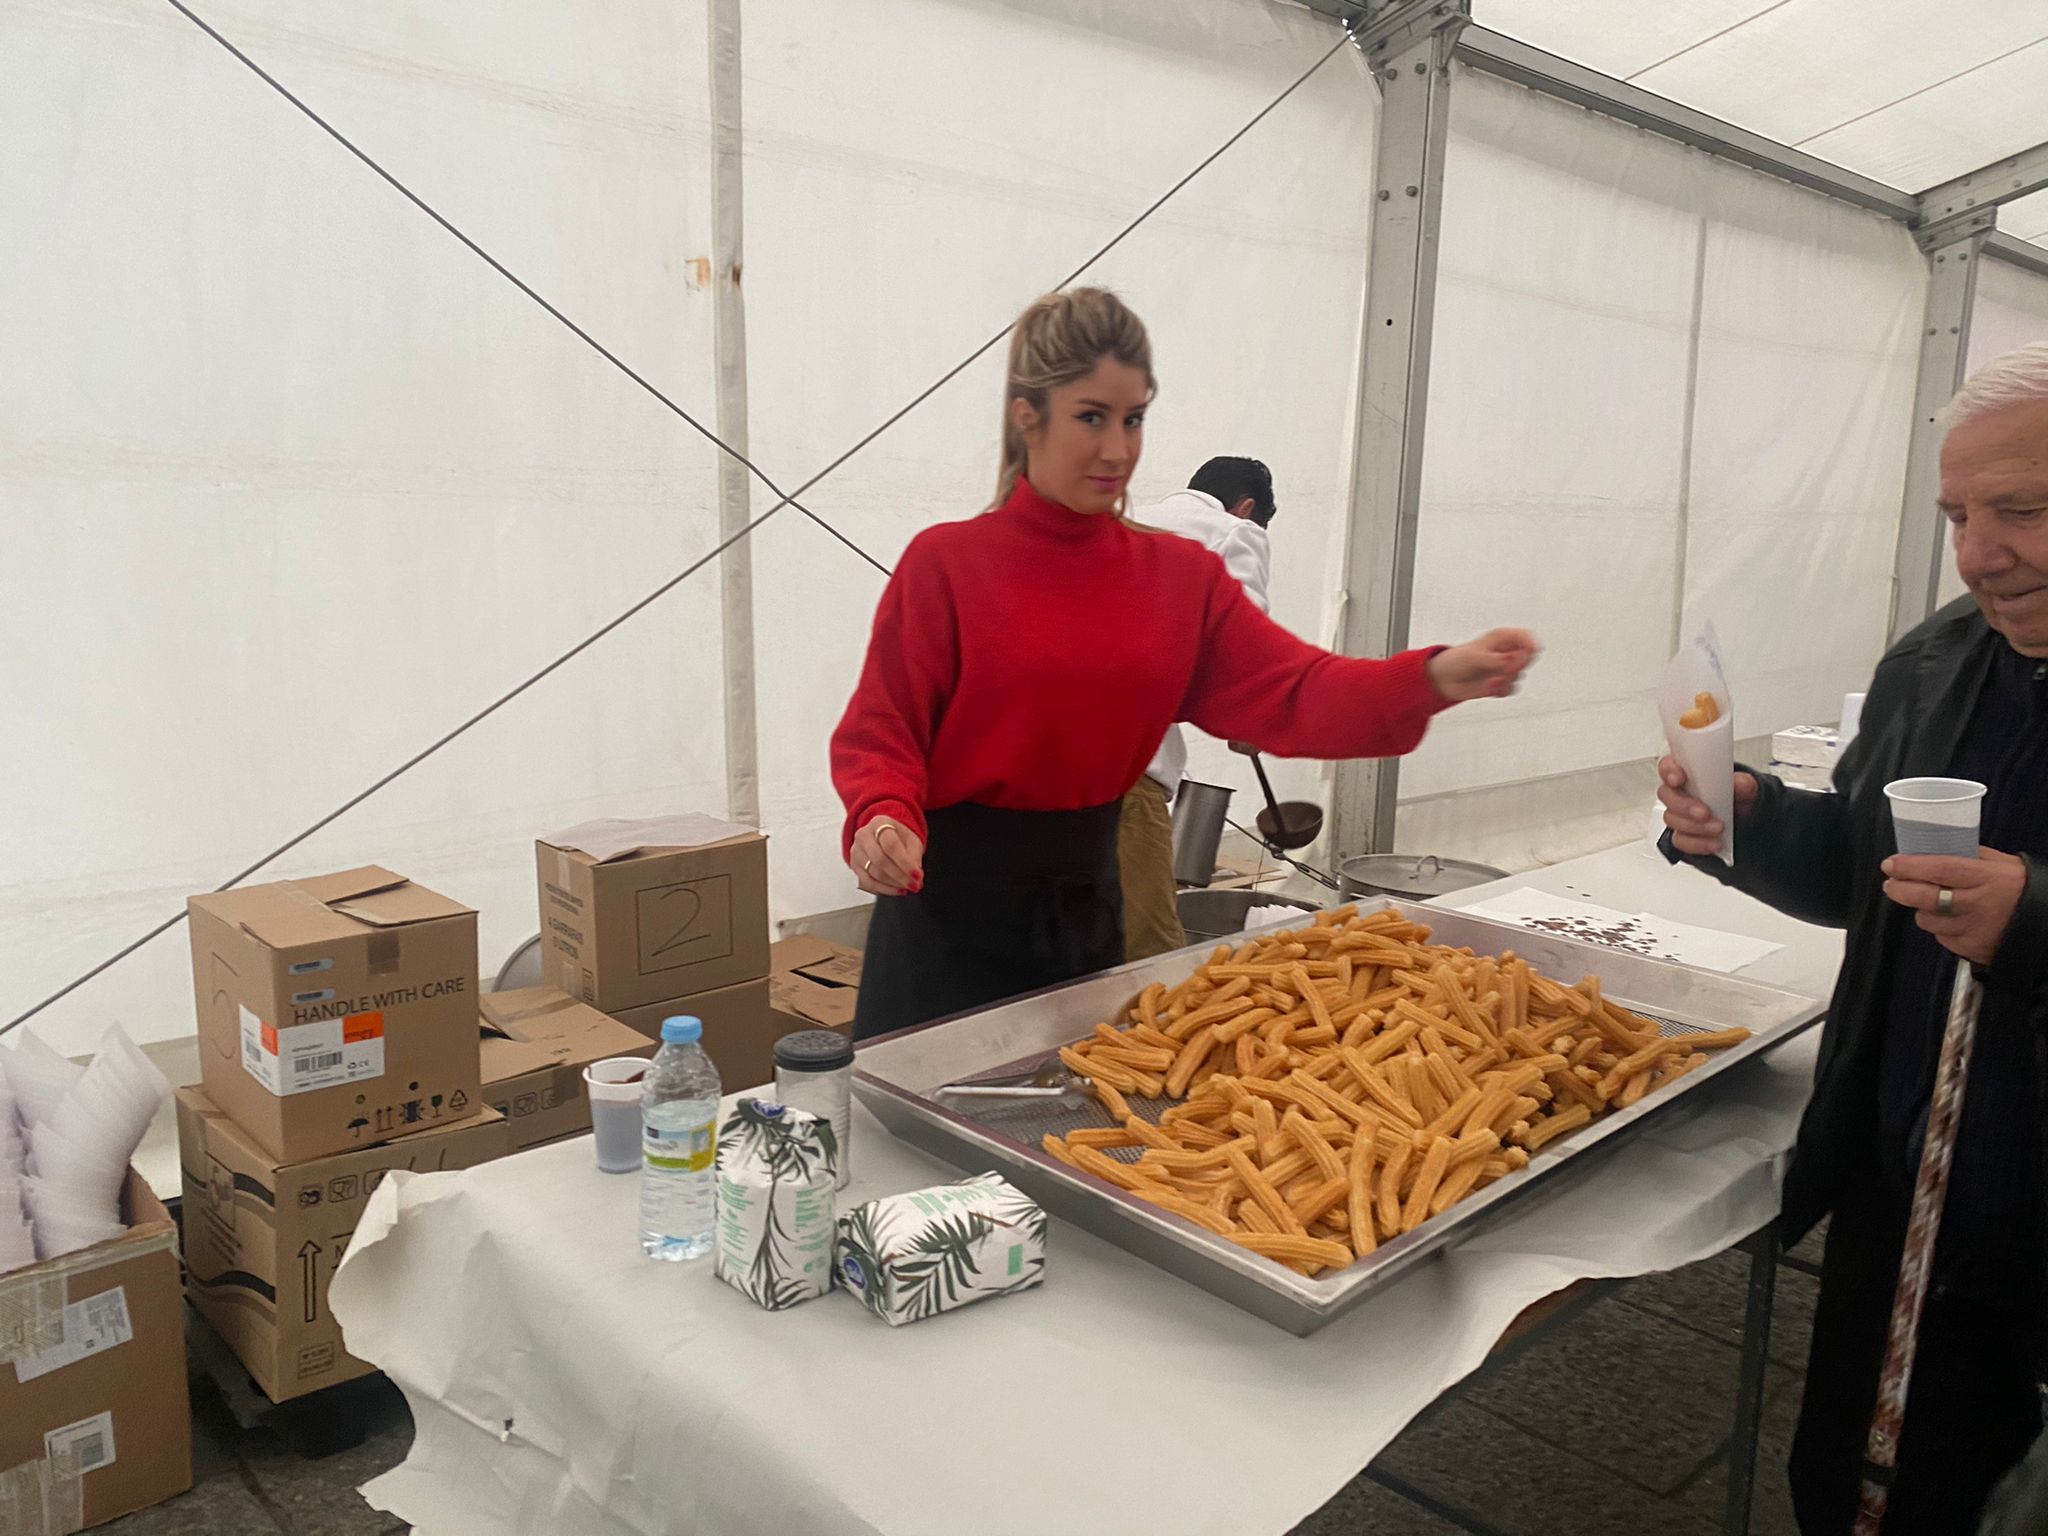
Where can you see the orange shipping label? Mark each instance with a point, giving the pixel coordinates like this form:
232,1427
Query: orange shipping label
299,1058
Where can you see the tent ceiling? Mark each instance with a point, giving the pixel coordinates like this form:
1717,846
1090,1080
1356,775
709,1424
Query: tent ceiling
2027,218
1880,87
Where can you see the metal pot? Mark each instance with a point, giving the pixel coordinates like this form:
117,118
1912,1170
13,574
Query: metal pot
1218,914
1199,811
1409,878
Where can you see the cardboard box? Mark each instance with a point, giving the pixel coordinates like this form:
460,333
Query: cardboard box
814,983
740,1030
94,1417
636,922
262,1240
536,1043
337,1012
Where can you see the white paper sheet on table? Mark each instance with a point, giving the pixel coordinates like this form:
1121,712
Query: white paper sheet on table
601,1395
1639,933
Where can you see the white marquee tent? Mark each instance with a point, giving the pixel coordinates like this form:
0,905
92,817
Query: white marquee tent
293,483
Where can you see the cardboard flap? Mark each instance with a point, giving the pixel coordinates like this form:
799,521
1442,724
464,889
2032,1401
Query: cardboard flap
798,951
503,1058
350,883
330,907
614,838
287,916
840,970
399,905
526,1013
827,963
533,1028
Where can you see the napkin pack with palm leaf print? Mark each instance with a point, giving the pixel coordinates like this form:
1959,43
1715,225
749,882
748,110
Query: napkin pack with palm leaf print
777,1168
914,1256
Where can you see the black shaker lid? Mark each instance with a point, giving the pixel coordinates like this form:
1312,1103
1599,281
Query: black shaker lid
814,1050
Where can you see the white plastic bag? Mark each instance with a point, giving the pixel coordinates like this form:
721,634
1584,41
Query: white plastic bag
40,1078
13,1148
82,1141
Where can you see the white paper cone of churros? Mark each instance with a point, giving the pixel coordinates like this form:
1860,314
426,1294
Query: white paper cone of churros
1698,712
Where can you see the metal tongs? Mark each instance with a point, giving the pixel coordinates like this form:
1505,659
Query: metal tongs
1051,1079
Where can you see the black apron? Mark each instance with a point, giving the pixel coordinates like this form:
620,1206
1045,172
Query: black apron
1012,901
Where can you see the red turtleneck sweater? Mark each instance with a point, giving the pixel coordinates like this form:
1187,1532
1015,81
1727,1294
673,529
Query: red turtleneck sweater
1031,659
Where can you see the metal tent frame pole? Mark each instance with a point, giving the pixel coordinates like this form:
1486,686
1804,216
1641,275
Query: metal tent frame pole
1408,48
1944,353
735,484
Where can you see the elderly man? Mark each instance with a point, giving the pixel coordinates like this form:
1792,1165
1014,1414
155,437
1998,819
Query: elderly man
1964,695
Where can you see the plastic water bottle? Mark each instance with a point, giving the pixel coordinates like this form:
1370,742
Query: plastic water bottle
679,1146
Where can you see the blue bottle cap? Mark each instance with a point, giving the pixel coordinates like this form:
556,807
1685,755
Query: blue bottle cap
682,1030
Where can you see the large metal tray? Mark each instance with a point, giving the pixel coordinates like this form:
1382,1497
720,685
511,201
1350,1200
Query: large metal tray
895,1075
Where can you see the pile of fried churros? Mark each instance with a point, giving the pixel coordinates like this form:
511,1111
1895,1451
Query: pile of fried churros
1341,1084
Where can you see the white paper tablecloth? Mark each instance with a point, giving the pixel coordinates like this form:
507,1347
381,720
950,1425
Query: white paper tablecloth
562,1385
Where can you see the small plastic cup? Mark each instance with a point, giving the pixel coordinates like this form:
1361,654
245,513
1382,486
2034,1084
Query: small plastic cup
614,1087
1937,816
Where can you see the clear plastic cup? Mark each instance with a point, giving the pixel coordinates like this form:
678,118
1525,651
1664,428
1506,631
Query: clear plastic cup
614,1087
1937,816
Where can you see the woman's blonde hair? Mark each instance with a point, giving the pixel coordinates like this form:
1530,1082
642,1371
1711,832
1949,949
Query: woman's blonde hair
1059,339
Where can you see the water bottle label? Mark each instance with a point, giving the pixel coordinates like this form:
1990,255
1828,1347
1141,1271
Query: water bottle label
687,1149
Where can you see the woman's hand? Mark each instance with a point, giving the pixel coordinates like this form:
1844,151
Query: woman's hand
1983,893
1486,668
1696,830
887,858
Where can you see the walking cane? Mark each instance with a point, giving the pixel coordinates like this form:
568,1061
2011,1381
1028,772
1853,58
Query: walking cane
1930,1190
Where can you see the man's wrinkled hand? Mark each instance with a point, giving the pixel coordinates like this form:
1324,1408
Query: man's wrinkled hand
1695,830
1985,892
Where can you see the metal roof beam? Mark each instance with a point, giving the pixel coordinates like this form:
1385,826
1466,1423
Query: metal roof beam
1518,62
2016,252
1970,204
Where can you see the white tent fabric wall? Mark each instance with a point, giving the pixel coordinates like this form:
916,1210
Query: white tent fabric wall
294,483
1666,391
891,232
398,487
2011,312
1809,347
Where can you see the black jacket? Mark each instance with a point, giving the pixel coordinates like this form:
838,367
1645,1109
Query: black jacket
1817,857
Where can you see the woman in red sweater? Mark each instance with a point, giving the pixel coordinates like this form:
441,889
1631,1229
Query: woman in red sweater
1025,664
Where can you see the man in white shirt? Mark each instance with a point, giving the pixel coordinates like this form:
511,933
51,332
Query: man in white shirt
1225,509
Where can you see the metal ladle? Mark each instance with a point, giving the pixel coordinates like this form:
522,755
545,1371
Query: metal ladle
1285,827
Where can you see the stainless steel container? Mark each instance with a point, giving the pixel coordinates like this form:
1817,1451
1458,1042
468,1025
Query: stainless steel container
1199,811
1219,914
1407,878
898,1077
